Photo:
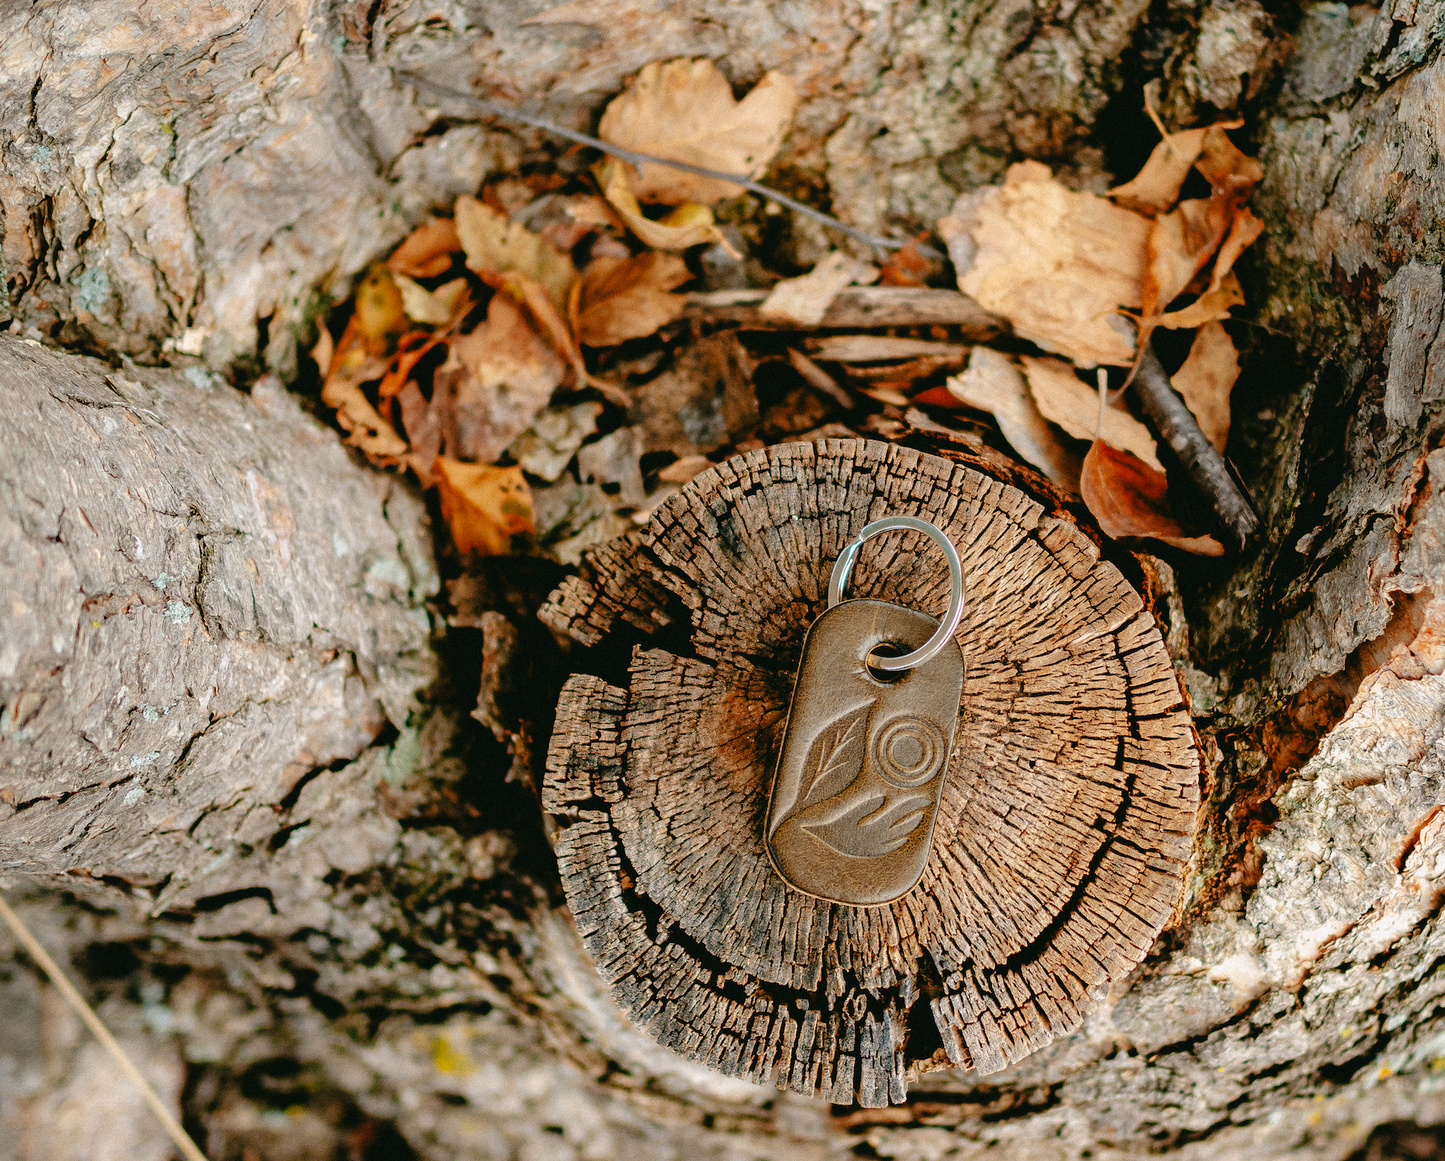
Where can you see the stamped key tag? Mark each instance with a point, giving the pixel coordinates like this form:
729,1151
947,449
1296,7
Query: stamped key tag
870,729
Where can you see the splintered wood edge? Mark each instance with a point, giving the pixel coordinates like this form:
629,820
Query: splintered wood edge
844,1037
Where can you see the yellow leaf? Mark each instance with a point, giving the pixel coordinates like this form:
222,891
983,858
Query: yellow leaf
496,246
1057,263
684,110
484,506
688,225
380,316
433,307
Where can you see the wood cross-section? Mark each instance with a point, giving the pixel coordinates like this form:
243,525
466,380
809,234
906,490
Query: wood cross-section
1063,829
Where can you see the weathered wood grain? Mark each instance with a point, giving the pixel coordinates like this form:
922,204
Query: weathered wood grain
1066,816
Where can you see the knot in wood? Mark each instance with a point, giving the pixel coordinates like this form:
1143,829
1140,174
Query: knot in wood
1063,826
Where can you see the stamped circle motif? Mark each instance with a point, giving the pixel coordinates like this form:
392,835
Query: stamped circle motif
908,751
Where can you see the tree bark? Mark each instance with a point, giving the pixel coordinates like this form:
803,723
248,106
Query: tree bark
367,925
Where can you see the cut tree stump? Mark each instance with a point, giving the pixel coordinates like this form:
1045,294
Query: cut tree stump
1064,825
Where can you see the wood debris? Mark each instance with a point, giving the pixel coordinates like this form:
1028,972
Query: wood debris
804,301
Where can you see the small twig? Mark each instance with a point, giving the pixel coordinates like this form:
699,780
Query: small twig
506,112
182,1139
1199,458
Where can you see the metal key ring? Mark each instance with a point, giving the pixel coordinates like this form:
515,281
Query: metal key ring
844,569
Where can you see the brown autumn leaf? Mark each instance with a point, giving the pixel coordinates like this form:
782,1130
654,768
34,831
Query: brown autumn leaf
1210,306
805,300
1180,246
1156,187
626,298
1057,263
1130,500
352,364
691,224
427,250
496,379
496,247
1206,379
485,507
1231,173
907,266
684,110
1074,406
992,382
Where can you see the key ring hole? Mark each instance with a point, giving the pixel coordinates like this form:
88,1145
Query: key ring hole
885,649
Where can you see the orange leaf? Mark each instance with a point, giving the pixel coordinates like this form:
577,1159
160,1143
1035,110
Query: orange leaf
427,250
1157,185
1210,306
351,365
484,506
1130,500
1180,245
906,266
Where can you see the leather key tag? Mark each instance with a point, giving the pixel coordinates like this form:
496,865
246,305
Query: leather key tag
855,794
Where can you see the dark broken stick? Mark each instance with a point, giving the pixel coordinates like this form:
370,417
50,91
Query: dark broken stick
1199,458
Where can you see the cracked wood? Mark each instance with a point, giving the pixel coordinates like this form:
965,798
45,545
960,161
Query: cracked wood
1064,824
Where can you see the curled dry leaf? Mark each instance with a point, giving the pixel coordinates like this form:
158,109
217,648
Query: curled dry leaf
1057,263
804,301
626,298
1231,173
1180,245
496,380
991,382
1208,307
1157,185
496,247
1062,398
1206,379
691,224
351,365
684,110
433,307
485,507
428,250
1130,499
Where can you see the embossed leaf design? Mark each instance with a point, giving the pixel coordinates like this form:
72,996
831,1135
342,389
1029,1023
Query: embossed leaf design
836,757
864,823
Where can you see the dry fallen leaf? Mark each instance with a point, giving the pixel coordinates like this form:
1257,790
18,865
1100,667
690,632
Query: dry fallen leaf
991,382
1208,307
380,316
349,367
484,506
690,224
427,250
1157,185
805,300
626,298
907,266
1074,406
1231,173
433,307
684,110
496,247
1206,379
1057,263
497,378
1180,245
1130,499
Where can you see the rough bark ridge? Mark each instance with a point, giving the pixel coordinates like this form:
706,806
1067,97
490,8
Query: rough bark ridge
178,174
1065,815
